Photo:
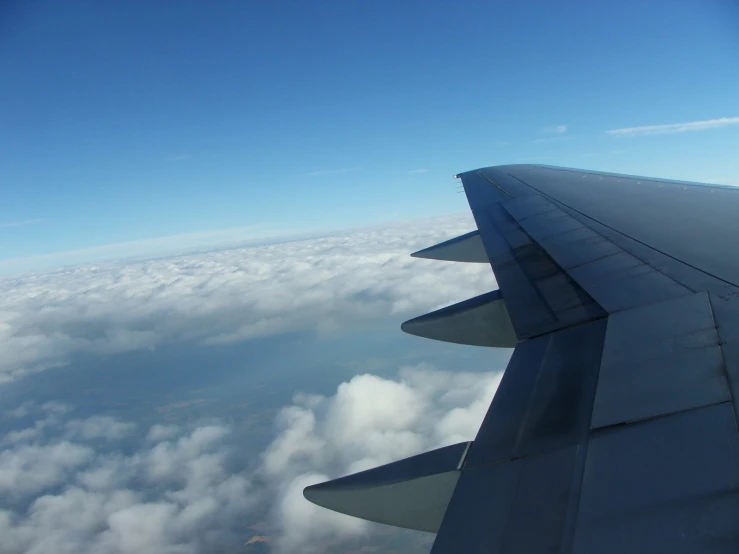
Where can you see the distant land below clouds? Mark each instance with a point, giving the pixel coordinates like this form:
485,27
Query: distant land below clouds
73,481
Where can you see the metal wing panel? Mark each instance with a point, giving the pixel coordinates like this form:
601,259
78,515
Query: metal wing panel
477,517
499,431
660,359
688,221
541,502
515,506
528,311
525,463
559,410
617,281
578,247
619,408
671,227
723,295
666,485
539,295
614,427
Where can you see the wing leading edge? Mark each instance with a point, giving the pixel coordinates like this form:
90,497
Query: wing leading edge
614,427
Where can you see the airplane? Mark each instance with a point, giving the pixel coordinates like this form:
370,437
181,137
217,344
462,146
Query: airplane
614,428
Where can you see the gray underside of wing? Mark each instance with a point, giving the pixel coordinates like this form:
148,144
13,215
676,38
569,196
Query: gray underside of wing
614,427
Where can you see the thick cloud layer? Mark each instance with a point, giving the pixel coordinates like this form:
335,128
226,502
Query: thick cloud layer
179,490
59,492
99,484
229,295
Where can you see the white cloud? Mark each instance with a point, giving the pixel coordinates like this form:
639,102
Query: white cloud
554,129
98,427
160,246
305,527
29,468
370,421
178,495
22,223
180,490
162,432
316,285
99,484
675,127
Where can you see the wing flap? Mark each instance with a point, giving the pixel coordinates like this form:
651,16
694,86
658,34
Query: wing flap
660,359
519,506
665,485
545,398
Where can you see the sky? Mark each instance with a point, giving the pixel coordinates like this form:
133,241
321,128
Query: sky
206,215
130,128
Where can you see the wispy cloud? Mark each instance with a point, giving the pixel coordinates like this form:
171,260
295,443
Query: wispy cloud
675,127
154,246
21,223
554,129
331,171
724,181
421,170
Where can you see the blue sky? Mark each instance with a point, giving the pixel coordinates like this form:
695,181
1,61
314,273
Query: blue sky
127,121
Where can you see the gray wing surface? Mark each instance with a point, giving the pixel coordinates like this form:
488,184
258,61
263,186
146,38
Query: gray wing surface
614,428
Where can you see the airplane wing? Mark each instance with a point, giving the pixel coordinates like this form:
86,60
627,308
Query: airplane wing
614,428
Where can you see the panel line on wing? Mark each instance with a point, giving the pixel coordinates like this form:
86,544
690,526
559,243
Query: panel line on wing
489,180
526,464
605,436
540,295
616,231
598,267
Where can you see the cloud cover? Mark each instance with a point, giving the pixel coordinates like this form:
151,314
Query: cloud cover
370,421
179,490
671,128
224,296
61,493
103,485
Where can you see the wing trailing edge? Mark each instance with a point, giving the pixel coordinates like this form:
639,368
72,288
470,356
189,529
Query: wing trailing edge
464,248
479,321
413,493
